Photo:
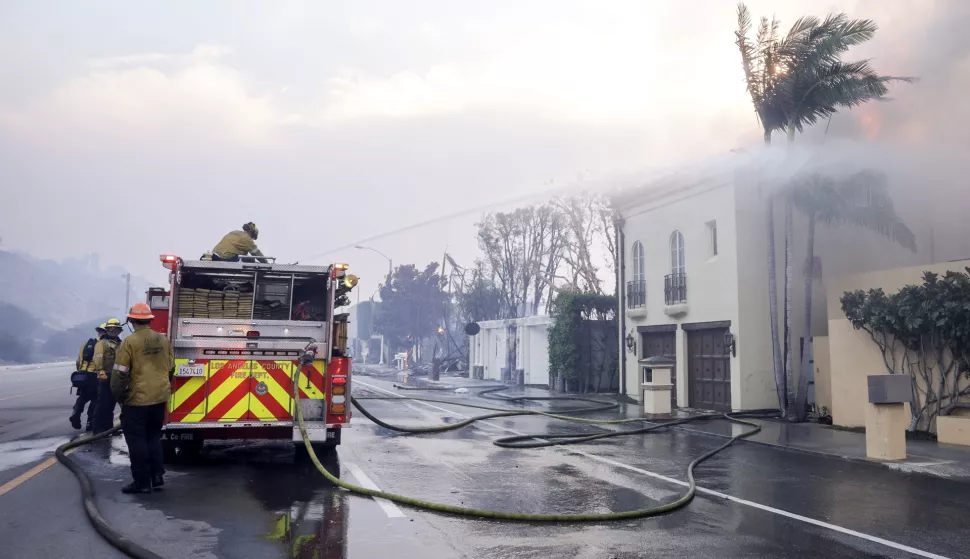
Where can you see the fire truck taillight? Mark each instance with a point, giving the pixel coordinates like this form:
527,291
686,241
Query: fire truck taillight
168,260
339,390
252,334
337,408
339,380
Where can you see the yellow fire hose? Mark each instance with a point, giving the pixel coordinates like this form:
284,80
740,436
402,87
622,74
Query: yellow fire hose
133,549
540,441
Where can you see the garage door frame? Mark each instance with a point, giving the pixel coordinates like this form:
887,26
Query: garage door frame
708,366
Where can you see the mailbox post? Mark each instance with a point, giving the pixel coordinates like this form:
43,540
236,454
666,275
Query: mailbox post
655,385
886,417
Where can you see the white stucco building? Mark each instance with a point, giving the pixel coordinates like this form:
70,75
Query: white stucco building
488,351
693,261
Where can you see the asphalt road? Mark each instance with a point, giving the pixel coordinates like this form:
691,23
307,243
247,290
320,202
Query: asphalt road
256,500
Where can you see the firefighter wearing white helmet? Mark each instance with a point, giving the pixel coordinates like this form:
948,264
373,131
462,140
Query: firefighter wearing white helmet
238,243
104,360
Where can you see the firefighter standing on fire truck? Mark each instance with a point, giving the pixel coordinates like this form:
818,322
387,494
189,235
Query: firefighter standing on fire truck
141,382
104,360
238,243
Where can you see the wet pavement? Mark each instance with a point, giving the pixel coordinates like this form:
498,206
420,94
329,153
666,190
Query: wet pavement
260,500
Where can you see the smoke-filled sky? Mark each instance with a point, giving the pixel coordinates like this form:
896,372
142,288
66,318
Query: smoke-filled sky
131,128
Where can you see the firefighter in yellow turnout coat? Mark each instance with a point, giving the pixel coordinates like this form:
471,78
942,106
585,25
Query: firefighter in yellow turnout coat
141,382
104,360
238,243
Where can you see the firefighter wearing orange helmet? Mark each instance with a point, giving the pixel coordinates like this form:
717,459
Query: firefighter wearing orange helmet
141,382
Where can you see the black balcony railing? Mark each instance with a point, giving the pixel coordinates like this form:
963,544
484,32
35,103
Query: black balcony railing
675,289
636,294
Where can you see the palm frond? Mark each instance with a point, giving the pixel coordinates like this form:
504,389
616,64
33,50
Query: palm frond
860,200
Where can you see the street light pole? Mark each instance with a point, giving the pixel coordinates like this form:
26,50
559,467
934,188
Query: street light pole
390,274
390,263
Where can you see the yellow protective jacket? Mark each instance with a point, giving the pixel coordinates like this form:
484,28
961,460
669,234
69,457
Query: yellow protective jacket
82,365
104,356
236,243
142,370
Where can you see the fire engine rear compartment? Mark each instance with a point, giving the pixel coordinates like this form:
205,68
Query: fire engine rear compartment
238,332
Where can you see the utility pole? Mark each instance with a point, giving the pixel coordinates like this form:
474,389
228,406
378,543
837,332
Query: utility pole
127,277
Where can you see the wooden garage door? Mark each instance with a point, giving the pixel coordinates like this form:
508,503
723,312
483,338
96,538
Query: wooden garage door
664,345
708,370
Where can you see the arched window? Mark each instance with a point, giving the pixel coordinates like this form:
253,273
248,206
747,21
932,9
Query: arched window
639,266
675,285
677,262
637,289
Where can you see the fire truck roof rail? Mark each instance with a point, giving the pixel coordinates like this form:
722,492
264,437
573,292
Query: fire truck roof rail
245,266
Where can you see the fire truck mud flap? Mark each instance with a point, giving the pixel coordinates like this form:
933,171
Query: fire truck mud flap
319,434
181,444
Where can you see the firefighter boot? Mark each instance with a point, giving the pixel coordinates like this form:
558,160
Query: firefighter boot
76,421
157,482
134,487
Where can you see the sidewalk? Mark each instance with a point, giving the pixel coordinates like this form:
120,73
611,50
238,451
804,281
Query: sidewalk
923,457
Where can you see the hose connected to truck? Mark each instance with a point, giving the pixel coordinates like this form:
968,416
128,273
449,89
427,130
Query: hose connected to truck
542,440
132,549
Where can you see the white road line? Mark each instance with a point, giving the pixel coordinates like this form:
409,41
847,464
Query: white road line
390,509
793,516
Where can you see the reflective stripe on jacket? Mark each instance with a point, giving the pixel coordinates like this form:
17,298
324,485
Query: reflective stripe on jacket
143,365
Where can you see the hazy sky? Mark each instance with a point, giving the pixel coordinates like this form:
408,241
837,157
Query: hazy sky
132,128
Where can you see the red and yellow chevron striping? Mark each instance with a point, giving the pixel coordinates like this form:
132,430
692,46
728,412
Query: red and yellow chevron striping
242,390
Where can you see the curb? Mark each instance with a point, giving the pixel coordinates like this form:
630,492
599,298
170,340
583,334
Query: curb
31,366
894,466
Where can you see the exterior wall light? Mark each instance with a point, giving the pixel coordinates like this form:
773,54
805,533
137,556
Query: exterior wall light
730,344
631,343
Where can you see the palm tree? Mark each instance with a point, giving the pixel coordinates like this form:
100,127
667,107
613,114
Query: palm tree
762,74
794,81
862,200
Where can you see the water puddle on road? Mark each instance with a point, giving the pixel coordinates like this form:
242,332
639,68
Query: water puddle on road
18,453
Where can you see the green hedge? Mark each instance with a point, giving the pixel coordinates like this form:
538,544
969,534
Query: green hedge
570,310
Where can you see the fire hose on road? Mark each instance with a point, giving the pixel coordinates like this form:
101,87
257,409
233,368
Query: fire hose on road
540,440
133,549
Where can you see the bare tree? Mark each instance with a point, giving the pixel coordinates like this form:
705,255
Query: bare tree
589,223
523,249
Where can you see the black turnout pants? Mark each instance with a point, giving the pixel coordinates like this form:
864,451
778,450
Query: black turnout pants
104,410
86,394
143,433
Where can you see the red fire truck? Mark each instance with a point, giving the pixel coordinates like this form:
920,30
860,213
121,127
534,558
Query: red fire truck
239,331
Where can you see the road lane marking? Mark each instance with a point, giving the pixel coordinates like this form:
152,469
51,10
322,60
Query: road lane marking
390,509
766,508
31,393
39,468
19,480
